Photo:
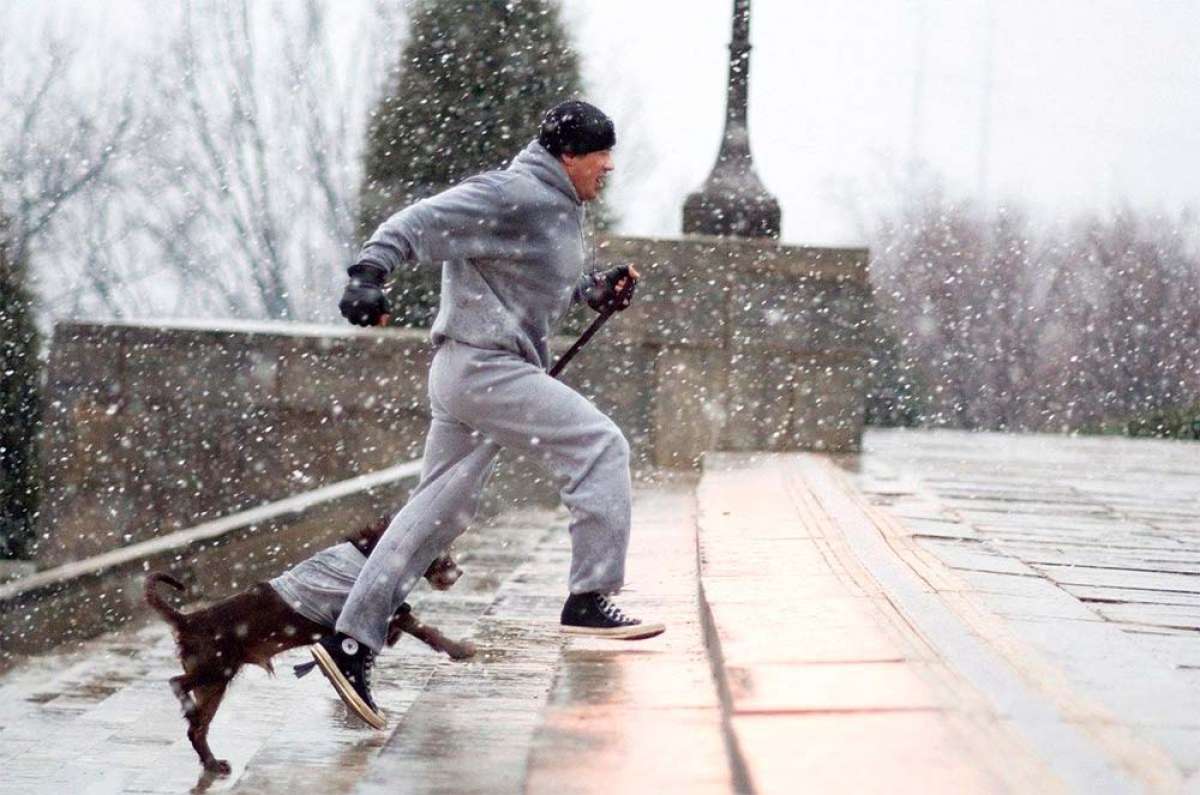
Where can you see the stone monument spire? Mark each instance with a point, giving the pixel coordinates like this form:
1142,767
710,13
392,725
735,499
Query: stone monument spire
733,201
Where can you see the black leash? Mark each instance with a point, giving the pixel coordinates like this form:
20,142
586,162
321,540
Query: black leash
600,320
614,303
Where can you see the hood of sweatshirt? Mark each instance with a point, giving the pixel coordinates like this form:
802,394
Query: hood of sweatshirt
536,161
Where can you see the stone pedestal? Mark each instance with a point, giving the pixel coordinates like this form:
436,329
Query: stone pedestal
758,346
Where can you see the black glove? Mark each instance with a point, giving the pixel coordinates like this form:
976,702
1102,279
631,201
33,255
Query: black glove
602,294
364,303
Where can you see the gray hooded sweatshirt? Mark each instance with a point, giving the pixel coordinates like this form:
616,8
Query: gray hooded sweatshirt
511,248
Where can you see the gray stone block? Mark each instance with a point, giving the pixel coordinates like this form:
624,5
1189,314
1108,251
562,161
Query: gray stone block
691,405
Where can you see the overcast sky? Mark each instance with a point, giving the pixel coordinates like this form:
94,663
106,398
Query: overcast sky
1091,102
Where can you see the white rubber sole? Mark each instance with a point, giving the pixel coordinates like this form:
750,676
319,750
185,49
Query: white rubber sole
345,689
636,632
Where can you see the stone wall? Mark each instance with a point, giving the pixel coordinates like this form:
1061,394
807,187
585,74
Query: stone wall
153,427
757,346
70,603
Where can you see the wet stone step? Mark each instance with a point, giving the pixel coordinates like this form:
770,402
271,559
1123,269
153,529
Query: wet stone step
469,730
1083,574
1165,551
336,749
1109,595
1114,600
639,716
117,728
976,557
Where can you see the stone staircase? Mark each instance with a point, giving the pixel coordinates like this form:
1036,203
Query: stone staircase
808,649
826,679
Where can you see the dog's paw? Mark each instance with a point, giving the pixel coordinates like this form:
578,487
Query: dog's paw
443,573
462,651
218,766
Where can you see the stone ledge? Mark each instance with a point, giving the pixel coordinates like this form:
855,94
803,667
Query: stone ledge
83,598
837,264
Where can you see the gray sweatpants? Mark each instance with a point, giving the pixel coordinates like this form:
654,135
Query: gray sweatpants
483,400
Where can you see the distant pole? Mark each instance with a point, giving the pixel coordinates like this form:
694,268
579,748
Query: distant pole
985,101
920,45
733,201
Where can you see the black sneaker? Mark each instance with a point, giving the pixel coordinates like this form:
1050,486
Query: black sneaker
594,614
347,665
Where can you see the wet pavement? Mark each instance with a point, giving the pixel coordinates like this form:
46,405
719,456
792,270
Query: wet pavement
947,612
114,726
828,682
533,711
1087,552
640,716
546,713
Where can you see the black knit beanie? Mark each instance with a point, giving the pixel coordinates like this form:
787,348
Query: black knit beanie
575,128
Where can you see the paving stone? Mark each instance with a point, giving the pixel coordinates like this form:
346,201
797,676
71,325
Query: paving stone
898,752
1164,558
833,687
824,683
619,713
981,508
606,750
1180,651
115,720
1045,604
1105,594
1032,586
743,589
953,530
1115,600
975,557
764,558
1187,617
1083,574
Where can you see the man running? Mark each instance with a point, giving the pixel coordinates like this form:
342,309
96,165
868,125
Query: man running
511,248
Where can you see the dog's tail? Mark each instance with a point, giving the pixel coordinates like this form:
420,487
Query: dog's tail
170,614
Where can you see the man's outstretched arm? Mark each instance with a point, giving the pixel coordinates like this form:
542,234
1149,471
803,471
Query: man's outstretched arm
472,220
469,220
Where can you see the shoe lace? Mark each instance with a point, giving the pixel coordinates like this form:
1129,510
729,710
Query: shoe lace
368,669
611,610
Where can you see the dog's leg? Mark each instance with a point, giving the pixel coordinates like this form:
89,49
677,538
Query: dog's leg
182,685
208,699
458,650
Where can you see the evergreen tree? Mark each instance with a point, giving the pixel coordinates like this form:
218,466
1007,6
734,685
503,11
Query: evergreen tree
473,81
19,405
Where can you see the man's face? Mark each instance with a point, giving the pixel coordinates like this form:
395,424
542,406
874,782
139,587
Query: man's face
588,172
